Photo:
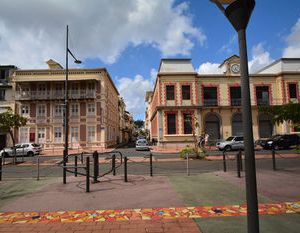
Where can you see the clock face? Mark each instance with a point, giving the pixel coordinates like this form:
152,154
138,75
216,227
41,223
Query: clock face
235,68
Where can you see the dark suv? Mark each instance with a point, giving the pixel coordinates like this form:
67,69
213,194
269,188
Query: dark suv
280,141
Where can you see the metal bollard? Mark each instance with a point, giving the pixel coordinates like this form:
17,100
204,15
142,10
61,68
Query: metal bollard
241,159
113,164
38,167
87,174
76,162
238,165
187,164
273,159
96,166
151,167
0,168
81,155
125,169
224,162
64,168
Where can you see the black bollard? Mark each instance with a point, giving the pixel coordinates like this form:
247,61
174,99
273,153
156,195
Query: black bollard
125,169
87,174
64,167
0,168
151,167
224,162
75,169
96,166
273,159
113,164
238,164
241,159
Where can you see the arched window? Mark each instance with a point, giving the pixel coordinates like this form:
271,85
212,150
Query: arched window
237,124
265,126
212,126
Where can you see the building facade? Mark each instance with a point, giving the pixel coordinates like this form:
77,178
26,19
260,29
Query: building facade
93,107
182,97
6,97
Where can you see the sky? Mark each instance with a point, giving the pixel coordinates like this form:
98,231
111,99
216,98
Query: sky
129,37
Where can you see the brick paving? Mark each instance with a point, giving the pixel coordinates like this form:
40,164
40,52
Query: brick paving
137,226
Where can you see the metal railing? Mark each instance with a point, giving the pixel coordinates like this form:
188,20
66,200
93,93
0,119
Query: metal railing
55,95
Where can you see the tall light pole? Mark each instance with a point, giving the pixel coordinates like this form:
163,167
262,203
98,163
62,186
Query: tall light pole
66,116
238,12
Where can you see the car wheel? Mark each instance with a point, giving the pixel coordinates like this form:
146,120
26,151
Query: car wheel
227,148
30,153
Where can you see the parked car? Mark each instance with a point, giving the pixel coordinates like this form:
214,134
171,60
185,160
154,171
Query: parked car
22,149
280,141
231,143
142,144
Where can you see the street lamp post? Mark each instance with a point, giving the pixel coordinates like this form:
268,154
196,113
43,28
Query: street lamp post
66,116
238,12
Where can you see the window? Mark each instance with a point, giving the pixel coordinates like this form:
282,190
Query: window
2,74
188,127
58,110
186,92
170,92
91,109
2,94
57,134
262,95
91,86
74,110
91,130
210,96
24,134
235,95
25,110
171,118
74,134
41,135
42,87
293,91
41,110
74,89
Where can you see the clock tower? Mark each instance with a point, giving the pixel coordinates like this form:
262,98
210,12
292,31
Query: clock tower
231,66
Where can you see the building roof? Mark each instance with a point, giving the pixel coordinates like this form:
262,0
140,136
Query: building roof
230,58
281,65
174,65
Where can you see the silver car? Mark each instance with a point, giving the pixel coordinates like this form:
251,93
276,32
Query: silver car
231,143
142,144
22,149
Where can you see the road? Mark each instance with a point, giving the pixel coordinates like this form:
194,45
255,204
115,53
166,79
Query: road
159,166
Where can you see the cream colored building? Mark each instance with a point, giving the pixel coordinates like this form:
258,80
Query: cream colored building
181,95
93,107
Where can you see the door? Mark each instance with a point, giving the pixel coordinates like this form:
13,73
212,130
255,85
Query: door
237,125
212,126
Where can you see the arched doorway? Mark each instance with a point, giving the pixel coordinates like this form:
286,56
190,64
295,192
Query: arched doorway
212,126
237,124
265,126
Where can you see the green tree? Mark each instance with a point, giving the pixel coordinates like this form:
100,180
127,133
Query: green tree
139,123
288,112
9,122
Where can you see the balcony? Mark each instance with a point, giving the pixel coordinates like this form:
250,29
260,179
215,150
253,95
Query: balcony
210,102
54,95
236,102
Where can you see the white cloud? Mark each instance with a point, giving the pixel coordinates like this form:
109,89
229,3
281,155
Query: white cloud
133,90
293,42
209,68
229,47
260,58
33,31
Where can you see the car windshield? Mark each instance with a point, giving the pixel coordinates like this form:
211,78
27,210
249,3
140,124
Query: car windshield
229,139
36,145
275,137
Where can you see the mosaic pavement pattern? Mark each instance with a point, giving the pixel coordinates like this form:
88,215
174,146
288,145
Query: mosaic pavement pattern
145,213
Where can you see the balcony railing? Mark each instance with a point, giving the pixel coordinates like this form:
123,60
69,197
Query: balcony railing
54,95
236,102
210,102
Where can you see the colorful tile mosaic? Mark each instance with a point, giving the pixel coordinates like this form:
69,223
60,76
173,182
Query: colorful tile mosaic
145,214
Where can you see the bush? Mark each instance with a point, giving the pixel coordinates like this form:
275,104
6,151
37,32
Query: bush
197,153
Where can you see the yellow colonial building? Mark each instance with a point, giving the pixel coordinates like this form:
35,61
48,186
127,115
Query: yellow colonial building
93,107
182,96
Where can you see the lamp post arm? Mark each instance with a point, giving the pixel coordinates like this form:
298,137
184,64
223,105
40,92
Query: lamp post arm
69,51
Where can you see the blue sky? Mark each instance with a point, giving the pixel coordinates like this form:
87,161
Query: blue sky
129,37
